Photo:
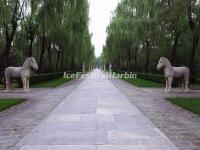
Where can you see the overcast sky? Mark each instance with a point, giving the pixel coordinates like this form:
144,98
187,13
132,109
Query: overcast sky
100,14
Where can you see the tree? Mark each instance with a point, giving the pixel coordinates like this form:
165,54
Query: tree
141,31
55,32
11,15
193,22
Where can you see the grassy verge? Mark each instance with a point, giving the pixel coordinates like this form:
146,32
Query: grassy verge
143,83
195,86
191,104
51,83
46,84
7,103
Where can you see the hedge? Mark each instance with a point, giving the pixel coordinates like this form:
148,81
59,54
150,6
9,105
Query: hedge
42,77
1,78
152,77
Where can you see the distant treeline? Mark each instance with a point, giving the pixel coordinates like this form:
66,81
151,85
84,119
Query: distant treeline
141,31
55,32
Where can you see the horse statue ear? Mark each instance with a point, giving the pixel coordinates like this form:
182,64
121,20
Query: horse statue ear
32,59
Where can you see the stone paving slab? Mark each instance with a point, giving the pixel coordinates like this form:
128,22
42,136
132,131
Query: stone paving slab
18,121
176,92
96,115
97,147
59,147
179,125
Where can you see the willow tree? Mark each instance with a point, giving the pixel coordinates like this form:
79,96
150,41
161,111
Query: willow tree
11,14
141,31
30,24
193,17
54,31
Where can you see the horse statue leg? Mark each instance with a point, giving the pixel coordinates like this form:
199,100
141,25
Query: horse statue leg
183,84
28,85
187,81
24,82
11,84
170,79
167,85
8,86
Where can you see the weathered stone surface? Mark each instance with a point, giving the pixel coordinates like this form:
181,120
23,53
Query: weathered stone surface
96,114
180,126
60,147
18,121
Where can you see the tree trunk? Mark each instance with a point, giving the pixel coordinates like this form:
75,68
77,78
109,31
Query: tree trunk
49,56
193,51
129,59
147,63
31,36
62,61
30,48
73,62
8,43
10,36
42,53
57,61
174,48
136,50
195,40
7,52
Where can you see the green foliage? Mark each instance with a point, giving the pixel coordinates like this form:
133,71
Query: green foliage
54,31
51,83
143,83
153,79
7,103
47,79
141,31
191,104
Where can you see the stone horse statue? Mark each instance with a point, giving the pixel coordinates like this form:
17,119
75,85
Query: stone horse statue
83,68
171,72
23,72
110,68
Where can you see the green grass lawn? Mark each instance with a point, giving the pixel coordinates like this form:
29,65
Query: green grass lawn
7,103
51,83
46,84
143,83
191,104
1,86
195,86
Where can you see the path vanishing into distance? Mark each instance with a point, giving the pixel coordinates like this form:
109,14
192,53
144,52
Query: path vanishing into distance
96,116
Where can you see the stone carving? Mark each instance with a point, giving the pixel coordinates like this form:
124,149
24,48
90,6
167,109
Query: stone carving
83,68
171,72
110,67
23,72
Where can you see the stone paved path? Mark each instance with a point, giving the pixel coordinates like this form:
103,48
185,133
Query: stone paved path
180,126
96,116
18,121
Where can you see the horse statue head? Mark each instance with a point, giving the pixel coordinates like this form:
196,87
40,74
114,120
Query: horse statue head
163,62
31,63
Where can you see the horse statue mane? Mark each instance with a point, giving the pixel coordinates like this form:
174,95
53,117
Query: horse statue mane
23,72
171,72
30,63
167,62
